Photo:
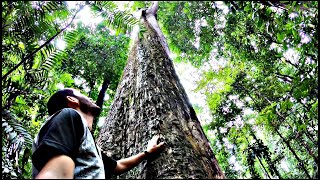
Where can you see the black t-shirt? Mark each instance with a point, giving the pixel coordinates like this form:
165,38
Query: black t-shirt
62,134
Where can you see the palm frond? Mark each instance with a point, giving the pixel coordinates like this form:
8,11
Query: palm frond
71,38
52,6
46,51
9,86
55,58
10,91
120,21
14,130
16,139
106,4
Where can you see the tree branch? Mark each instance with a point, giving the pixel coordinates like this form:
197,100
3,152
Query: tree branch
285,77
281,5
154,8
294,65
39,48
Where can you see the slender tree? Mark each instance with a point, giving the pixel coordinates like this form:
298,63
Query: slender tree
150,100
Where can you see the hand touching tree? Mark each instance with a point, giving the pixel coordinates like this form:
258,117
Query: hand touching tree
153,146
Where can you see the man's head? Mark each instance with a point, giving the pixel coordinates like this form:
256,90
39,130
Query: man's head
72,98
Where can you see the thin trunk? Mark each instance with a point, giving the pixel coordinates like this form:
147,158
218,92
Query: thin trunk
251,164
299,141
284,140
105,85
307,148
281,116
273,169
264,168
91,87
294,153
150,100
307,133
100,100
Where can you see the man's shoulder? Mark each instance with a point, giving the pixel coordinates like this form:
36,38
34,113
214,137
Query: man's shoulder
66,113
67,117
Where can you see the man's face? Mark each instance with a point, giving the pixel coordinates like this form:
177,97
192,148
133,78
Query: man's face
87,104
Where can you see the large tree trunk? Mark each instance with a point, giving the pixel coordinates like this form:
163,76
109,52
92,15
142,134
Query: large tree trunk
150,100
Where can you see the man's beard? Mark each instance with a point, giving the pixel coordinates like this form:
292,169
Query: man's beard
87,106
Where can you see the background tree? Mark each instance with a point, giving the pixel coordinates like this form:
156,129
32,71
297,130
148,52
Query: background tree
97,62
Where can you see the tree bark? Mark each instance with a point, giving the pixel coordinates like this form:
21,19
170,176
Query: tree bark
150,100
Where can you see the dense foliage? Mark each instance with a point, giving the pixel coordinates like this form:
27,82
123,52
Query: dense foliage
258,63
261,82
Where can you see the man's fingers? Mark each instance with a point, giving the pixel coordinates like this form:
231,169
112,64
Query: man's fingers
160,144
155,139
156,136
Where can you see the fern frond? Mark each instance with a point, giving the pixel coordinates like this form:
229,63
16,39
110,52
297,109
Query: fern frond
106,5
50,6
47,50
10,86
16,139
120,21
53,59
13,129
71,38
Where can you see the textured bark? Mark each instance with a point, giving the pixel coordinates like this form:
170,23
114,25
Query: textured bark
150,100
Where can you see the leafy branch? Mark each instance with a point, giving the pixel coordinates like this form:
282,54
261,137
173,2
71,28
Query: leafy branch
39,48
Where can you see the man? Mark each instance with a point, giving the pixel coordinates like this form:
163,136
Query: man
65,148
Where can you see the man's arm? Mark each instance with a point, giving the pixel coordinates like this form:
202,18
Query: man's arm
59,140
58,167
124,165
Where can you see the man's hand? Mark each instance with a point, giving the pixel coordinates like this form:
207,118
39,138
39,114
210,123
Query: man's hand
124,165
153,145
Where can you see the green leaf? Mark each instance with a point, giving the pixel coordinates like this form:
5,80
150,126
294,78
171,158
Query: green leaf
247,8
20,100
260,23
66,79
269,11
280,37
302,127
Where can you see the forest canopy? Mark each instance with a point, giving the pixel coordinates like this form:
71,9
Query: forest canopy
255,66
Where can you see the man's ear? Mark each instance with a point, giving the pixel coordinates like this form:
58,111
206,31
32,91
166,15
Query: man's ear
73,102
